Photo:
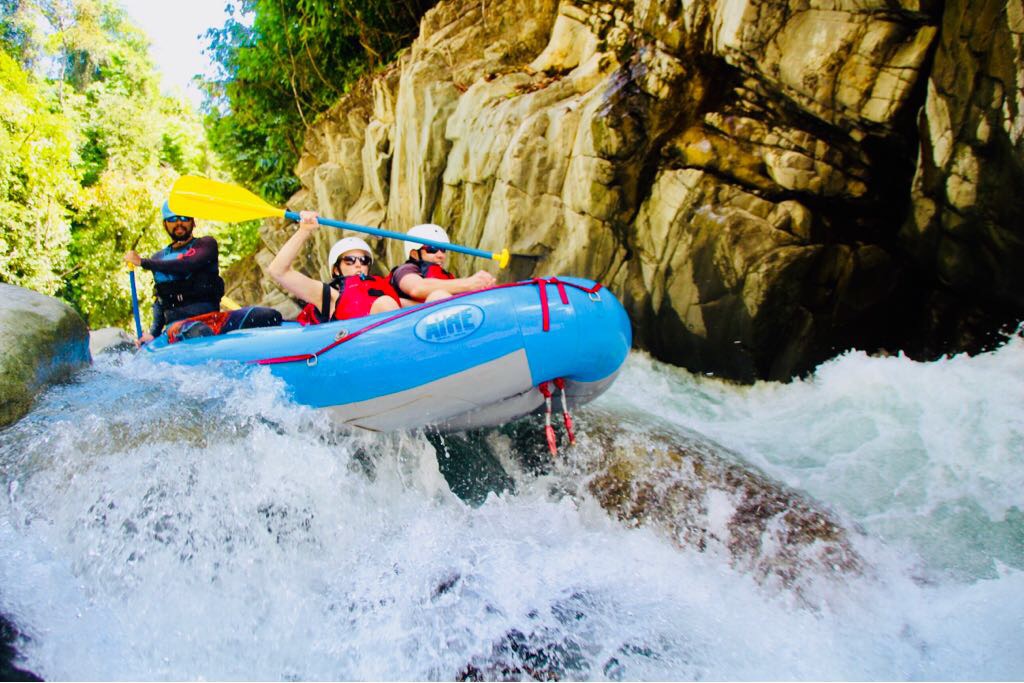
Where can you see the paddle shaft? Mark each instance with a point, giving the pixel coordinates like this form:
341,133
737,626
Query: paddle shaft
135,304
397,235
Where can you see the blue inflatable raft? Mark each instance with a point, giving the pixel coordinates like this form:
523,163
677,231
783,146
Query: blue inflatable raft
473,360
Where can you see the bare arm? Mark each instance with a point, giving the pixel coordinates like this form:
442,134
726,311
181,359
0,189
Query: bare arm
420,287
280,269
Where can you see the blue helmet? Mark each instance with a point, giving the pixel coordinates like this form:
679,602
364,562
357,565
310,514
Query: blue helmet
167,213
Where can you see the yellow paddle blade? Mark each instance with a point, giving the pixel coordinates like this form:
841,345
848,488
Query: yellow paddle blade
213,200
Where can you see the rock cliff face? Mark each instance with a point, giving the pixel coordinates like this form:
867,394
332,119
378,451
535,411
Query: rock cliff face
764,183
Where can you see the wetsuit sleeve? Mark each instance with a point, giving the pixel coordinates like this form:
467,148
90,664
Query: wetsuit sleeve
158,319
202,253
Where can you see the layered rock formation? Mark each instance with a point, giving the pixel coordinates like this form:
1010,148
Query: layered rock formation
965,229
764,183
42,340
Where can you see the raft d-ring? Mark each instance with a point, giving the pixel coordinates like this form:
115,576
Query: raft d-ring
312,361
341,335
594,296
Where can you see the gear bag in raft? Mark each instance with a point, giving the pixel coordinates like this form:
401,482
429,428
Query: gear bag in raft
221,322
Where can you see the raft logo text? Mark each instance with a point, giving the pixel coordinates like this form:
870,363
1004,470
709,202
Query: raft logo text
450,324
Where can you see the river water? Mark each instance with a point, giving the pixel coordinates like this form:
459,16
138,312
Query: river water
173,523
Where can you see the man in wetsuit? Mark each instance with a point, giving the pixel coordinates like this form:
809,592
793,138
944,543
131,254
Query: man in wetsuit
186,273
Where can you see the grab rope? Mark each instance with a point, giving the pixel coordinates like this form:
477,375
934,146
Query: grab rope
566,417
549,429
541,283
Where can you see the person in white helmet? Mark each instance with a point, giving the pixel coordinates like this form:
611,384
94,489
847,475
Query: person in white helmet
352,293
423,277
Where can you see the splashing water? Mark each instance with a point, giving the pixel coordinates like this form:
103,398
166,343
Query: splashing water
927,454
182,523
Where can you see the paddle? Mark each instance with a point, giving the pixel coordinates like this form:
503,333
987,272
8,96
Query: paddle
135,302
131,281
227,203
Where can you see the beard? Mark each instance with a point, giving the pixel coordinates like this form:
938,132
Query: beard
180,233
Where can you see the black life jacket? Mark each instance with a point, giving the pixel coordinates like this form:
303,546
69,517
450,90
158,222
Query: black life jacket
201,286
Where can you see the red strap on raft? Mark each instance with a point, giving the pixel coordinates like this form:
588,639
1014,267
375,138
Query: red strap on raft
542,285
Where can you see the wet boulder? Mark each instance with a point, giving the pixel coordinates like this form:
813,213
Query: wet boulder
42,341
700,495
109,340
693,491
10,637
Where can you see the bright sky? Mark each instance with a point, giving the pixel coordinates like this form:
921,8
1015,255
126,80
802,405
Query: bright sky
174,29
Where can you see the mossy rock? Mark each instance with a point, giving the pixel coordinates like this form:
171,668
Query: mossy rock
42,341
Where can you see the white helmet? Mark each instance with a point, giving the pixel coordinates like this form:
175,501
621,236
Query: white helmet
427,231
347,244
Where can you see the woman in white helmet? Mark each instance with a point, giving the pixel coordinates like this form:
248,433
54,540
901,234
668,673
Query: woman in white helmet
352,293
423,277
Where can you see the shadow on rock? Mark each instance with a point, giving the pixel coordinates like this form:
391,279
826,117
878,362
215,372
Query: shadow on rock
469,465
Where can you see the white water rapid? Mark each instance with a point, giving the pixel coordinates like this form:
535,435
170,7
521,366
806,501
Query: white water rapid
173,523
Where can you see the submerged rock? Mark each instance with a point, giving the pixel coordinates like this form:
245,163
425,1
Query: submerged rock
42,341
471,470
9,636
552,650
692,490
109,340
699,495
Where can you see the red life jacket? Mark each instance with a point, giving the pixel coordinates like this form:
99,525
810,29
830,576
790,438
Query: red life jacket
356,294
427,270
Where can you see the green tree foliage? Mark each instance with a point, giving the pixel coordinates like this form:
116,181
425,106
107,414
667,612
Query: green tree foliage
37,183
16,32
132,143
88,150
282,63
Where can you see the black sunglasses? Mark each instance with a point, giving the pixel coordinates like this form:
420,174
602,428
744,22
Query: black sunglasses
432,250
177,219
352,260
